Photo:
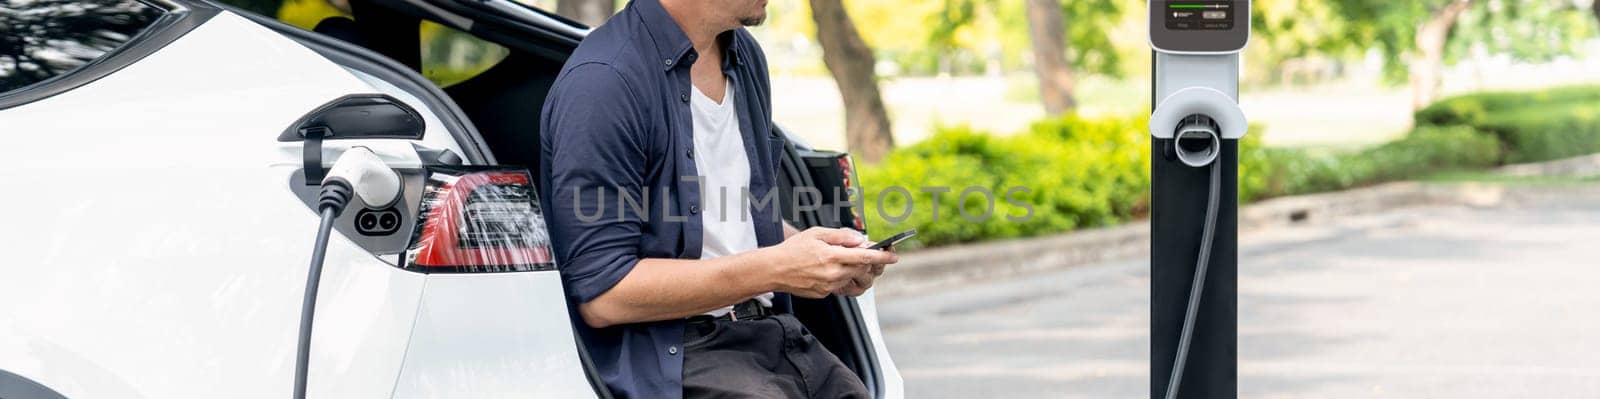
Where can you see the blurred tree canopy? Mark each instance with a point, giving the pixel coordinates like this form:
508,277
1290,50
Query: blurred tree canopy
1285,34
1066,38
972,35
1417,38
1057,40
1294,40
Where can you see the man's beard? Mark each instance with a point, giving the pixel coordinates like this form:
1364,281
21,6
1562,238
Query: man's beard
753,21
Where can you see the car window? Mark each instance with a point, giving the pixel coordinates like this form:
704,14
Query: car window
449,56
45,39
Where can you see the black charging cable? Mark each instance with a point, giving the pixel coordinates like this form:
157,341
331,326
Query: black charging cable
334,197
1197,287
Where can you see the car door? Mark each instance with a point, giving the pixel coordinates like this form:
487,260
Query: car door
167,253
481,330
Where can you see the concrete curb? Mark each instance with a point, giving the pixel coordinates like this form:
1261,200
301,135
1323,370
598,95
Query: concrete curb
1577,166
950,266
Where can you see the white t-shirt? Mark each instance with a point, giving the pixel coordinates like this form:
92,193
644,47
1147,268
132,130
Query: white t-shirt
724,168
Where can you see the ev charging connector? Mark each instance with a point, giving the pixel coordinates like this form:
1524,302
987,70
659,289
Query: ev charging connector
360,173
1195,127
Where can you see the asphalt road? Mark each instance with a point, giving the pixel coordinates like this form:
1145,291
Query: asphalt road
1439,302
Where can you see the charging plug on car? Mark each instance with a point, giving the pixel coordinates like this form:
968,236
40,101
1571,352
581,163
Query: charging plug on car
357,173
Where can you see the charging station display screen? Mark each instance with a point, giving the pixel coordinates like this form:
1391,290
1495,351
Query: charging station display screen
1199,26
1199,15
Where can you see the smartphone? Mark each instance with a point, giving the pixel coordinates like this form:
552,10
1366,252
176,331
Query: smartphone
896,239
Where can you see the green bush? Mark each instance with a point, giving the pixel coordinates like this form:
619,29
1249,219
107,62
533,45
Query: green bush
1075,173
1477,108
1532,126
1542,134
1071,172
1272,172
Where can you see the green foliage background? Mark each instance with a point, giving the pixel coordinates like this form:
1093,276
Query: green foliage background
1083,173
1533,125
1077,173
1526,30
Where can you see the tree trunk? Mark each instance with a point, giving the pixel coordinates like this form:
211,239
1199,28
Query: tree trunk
1596,10
589,12
850,61
1428,68
1045,28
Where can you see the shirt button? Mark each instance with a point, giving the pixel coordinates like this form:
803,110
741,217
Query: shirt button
672,350
694,209
684,95
689,153
668,61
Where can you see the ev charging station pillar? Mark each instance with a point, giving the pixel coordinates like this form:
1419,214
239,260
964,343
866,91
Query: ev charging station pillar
1195,126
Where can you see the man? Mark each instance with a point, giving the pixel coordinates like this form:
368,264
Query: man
657,156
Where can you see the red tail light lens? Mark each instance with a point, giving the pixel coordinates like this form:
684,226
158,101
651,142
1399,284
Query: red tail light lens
834,176
847,173
479,220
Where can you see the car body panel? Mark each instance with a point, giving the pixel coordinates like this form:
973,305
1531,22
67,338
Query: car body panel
156,249
495,335
894,386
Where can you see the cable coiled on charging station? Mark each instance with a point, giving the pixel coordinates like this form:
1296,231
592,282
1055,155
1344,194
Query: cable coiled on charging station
1197,287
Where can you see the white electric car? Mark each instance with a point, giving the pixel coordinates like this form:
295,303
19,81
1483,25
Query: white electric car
158,223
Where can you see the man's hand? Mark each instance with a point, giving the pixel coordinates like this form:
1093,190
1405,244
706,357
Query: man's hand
821,261
862,283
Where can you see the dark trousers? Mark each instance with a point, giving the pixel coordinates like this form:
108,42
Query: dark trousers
768,357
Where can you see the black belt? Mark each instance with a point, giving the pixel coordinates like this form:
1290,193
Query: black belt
750,309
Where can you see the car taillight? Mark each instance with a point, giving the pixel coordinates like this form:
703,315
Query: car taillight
847,173
834,177
479,220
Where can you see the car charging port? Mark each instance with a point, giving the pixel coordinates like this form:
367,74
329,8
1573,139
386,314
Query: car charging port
1196,142
378,222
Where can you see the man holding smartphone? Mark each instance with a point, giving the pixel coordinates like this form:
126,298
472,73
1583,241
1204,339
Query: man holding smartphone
686,294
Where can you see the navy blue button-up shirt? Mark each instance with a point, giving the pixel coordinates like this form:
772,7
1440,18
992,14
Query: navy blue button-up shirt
617,123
